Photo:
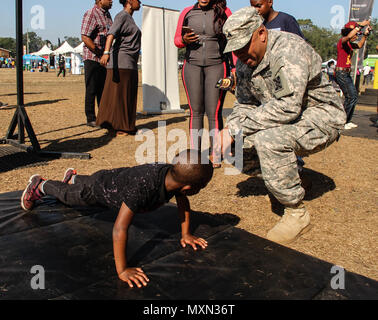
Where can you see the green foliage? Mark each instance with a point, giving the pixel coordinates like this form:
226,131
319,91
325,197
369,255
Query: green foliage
72,41
9,44
323,40
372,41
35,42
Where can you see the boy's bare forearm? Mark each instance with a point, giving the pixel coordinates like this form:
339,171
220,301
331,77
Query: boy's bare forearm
186,237
120,230
183,206
119,249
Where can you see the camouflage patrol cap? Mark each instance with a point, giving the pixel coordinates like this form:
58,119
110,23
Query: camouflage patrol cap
239,28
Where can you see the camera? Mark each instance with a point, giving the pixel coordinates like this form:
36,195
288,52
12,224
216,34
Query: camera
363,30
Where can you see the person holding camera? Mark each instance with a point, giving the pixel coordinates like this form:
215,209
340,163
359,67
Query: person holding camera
345,47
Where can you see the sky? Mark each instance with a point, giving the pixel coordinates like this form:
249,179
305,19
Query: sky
63,18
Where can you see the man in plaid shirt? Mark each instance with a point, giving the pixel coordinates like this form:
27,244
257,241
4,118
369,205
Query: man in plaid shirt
94,30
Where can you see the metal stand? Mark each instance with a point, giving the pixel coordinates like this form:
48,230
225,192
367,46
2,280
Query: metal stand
20,117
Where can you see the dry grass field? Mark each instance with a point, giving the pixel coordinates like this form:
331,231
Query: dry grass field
343,200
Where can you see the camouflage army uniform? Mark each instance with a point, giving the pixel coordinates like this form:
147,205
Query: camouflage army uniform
285,107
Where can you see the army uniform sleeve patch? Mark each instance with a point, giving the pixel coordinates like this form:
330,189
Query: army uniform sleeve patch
281,85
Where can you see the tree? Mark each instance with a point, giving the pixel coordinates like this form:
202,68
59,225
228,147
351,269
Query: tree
35,42
9,44
323,40
372,40
72,41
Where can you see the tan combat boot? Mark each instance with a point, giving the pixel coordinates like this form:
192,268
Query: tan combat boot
293,223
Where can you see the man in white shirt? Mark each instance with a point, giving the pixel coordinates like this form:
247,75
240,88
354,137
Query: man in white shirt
367,69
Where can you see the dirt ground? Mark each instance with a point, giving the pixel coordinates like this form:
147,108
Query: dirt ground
342,202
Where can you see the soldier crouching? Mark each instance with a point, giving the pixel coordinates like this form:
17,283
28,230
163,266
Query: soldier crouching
284,108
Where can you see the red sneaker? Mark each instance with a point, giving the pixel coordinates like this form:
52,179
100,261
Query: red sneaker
70,172
31,193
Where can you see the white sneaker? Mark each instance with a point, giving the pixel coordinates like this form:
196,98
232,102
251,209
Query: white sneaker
293,223
350,125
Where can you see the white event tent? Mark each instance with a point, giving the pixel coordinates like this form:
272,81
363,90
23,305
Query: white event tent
79,49
64,48
45,51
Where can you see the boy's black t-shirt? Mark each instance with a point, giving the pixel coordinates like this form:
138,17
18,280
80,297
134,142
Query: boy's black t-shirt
141,188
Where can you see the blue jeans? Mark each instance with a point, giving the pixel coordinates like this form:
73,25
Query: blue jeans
349,90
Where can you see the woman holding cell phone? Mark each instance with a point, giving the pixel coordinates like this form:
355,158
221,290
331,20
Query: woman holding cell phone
199,30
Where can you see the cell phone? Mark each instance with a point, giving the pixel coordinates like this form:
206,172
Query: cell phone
186,29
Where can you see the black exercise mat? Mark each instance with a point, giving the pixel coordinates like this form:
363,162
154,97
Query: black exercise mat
74,245
365,128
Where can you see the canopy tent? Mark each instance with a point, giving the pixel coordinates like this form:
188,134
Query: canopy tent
79,49
45,51
325,64
63,49
28,58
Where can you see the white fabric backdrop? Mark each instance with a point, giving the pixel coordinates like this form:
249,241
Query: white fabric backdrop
159,60
75,63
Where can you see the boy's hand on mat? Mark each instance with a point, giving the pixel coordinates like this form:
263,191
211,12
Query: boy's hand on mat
192,240
134,275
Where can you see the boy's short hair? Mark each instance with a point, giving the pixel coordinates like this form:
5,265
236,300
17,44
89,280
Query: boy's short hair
189,170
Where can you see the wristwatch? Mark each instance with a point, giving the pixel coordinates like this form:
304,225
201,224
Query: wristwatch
106,52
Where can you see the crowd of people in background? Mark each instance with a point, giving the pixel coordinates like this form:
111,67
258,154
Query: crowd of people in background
7,62
113,68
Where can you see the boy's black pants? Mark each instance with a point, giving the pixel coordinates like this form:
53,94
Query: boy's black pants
79,194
